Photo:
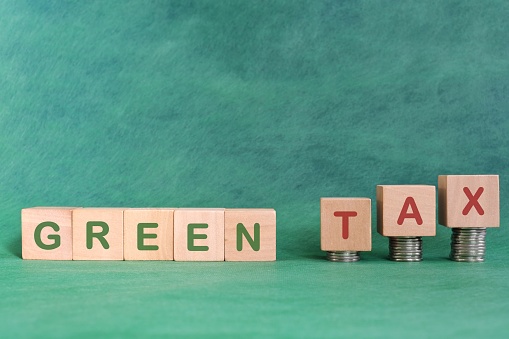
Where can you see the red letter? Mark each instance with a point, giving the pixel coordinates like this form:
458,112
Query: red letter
473,201
344,216
409,202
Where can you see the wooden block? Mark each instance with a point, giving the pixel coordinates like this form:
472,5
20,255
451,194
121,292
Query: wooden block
46,233
198,234
406,210
148,234
98,234
345,224
250,234
469,200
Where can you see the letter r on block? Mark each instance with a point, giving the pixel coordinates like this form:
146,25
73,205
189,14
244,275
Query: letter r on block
99,235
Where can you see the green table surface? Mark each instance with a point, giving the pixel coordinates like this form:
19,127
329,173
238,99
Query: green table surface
251,104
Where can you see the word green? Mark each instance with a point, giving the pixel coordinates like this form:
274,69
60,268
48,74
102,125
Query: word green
254,241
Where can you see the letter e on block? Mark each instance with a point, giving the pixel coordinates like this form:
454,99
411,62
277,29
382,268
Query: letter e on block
345,224
98,234
406,210
250,234
198,234
469,201
46,233
148,234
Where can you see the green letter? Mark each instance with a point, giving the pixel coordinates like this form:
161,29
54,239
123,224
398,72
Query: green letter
56,237
241,230
191,236
142,236
99,236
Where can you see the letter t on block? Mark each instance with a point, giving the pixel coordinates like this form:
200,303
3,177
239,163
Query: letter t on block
250,234
345,224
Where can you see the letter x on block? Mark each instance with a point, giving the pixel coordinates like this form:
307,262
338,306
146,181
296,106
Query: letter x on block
469,200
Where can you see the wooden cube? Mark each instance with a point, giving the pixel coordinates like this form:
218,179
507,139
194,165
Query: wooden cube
406,210
250,234
46,233
98,234
148,234
345,224
469,200
198,234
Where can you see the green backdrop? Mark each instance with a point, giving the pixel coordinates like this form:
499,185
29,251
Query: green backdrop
250,104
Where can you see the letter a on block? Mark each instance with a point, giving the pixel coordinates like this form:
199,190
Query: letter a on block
345,224
469,200
250,235
409,204
406,210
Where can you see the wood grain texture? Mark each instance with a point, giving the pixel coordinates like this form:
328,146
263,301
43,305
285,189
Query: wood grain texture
160,217
455,193
266,219
332,227
114,218
213,218
390,200
32,217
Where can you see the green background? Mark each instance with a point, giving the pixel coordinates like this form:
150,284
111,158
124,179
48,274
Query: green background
250,104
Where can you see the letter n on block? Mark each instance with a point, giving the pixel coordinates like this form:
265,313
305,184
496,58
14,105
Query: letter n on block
345,224
406,210
469,200
250,234
98,234
198,234
46,233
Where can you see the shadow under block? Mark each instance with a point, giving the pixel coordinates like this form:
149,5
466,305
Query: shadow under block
250,235
46,233
345,224
198,234
469,200
406,210
98,234
148,234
